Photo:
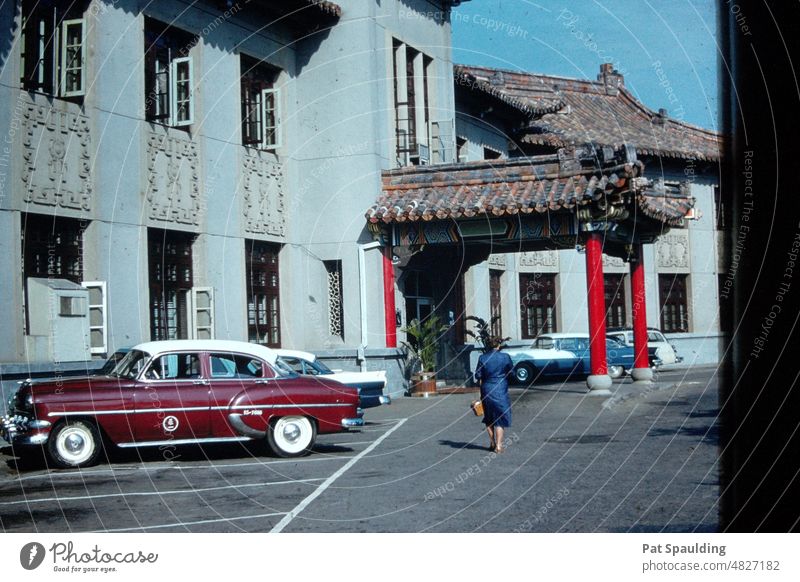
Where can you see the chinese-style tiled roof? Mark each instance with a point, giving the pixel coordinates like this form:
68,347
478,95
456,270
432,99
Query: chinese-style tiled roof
528,107
510,187
602,111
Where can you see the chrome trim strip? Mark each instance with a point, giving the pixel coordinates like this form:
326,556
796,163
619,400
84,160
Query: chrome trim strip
184,442
253,406
238,424
135,411
193,409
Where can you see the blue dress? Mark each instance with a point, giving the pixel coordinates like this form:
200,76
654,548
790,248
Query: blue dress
492,371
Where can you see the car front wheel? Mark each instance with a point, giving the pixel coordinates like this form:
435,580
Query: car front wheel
74,444
291,436
524,373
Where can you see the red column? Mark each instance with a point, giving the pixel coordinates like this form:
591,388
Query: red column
641,360
388,298
597,304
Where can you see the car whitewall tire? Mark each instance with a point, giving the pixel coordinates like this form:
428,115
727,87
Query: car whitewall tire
74,444
616,371
291,436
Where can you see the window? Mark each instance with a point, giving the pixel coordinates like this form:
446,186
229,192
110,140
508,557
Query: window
168,75
170,258
263,293
53,47
235,366
260,105
335,299
719,209
615,300
412,106
674,303
52,247
538,297
98,319
495,301
174,367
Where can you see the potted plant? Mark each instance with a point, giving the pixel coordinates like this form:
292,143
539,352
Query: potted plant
483,332
422,347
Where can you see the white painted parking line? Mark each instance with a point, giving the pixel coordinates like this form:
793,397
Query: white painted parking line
185,523
287,519
159,493
175,467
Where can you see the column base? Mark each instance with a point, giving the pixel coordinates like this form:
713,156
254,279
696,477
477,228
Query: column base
642,375
599,385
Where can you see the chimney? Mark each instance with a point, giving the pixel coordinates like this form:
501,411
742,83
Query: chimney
611,78
660,117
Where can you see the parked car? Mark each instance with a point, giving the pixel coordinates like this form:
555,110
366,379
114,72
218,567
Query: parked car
662,351
370,385
112,362
176,392
565,354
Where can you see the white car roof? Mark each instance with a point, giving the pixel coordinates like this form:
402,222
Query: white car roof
560,335
296,354
159,347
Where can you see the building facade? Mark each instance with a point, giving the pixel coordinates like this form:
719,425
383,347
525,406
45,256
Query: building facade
197,170
177,170
536,292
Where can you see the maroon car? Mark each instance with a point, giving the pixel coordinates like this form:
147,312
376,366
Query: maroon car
179,392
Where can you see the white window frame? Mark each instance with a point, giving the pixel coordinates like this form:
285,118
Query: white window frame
103,306
275,94
173,91
195,310
62,78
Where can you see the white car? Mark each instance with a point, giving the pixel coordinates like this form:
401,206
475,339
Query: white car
370,385
665,352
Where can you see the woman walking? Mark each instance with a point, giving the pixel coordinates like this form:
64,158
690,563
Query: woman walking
491,374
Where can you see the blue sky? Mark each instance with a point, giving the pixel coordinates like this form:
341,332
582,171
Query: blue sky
667,49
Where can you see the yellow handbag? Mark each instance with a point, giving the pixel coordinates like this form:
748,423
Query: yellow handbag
477,407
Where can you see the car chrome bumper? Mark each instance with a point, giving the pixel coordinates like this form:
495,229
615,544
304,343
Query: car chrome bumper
21,430
385,400
352,422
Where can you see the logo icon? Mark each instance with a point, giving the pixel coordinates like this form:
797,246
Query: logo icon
170,423
31,555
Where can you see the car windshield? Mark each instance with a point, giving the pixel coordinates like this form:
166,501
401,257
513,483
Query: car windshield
321,368
284,369
544,343
131,364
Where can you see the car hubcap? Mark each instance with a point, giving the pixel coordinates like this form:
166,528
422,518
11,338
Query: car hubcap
74,444
291,432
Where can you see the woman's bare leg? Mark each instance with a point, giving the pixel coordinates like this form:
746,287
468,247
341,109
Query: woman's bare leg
492,441
498,435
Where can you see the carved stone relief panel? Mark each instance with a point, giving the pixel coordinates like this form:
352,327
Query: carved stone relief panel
497,260
614,264
545,261
262,184
173,179
672,252
56,156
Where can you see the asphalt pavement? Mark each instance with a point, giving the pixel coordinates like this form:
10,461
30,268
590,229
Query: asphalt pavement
644,461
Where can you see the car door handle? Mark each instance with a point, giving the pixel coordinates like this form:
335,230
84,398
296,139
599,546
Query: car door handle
200,382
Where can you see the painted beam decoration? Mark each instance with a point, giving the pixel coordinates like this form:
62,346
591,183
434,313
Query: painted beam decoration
521,228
